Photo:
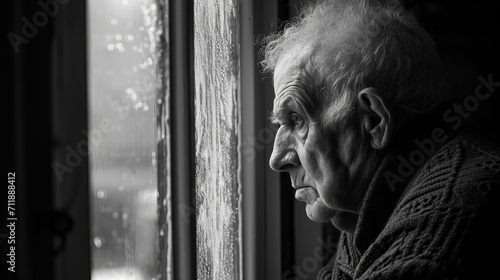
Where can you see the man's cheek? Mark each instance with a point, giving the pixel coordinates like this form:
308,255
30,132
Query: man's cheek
334,186
311,162
313,135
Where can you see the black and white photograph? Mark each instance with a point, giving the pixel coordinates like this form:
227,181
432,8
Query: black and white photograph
250,140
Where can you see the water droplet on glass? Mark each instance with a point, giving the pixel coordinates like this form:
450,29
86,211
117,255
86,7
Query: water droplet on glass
131,94
121,188
162,232
118,37
115,215
114,21
100,194
97,242
120,47
111,47
130,38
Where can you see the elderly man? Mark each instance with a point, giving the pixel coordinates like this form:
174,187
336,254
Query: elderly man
371,145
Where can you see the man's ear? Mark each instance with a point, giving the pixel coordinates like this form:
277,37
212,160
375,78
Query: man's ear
376,118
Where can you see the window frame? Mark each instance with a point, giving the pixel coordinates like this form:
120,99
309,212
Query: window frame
182,138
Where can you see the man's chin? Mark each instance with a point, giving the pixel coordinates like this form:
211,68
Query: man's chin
319,213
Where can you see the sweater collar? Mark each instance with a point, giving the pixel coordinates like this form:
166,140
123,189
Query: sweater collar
378,203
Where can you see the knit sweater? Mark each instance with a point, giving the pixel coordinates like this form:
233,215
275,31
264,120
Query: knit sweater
437,222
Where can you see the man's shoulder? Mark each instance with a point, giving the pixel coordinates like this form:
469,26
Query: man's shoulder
452,198
460,174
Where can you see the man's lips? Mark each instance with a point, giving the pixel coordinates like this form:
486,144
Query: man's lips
306,194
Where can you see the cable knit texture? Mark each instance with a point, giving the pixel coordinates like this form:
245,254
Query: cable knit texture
438,223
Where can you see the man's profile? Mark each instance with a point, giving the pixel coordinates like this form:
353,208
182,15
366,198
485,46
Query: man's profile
372,146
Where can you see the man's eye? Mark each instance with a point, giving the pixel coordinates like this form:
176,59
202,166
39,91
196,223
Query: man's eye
296,120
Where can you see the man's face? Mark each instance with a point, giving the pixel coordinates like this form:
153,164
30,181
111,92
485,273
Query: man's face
325,165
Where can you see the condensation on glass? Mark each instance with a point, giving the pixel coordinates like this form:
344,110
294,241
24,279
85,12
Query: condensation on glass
129,135
216,135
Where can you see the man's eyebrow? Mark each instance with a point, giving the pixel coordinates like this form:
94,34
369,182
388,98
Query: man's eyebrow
274,116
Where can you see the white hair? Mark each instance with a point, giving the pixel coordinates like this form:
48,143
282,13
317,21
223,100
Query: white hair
359,44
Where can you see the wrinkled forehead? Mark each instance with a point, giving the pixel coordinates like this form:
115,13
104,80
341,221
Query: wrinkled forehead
292,65
294,84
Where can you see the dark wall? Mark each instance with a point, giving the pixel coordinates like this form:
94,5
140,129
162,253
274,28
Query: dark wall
26,143
43,61
467,38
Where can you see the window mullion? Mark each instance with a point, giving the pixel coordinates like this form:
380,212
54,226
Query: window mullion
182,122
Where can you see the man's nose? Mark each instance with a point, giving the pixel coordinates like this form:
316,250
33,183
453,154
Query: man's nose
284,156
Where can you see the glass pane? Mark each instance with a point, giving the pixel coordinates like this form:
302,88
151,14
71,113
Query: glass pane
216,132
128,133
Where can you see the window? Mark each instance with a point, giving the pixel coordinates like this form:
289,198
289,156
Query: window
128,134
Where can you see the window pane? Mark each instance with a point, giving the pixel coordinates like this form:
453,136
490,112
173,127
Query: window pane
128,136
216,133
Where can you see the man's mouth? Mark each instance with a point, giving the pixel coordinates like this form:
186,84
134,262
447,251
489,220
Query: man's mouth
306,194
